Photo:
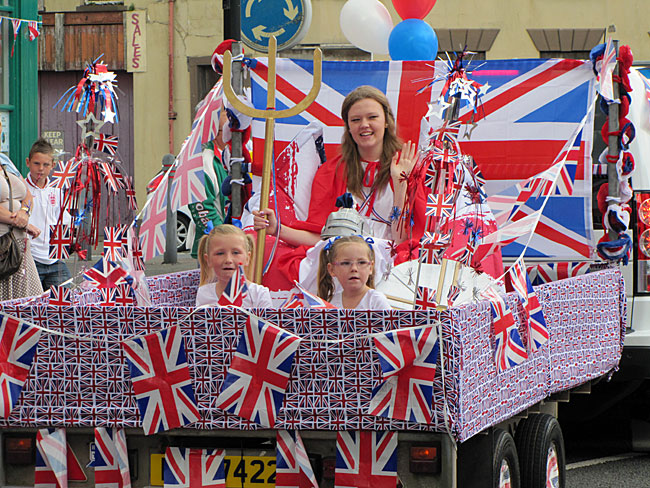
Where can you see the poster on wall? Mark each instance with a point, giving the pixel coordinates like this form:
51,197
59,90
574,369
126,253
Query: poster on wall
4,131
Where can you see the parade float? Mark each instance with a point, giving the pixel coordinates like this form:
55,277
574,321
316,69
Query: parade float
455,387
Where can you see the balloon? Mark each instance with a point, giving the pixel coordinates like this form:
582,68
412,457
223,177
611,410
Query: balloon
413,9
366,24
413,39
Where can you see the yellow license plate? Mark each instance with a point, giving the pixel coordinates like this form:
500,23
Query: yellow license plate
249,471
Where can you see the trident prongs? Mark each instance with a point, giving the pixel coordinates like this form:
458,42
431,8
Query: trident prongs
270,114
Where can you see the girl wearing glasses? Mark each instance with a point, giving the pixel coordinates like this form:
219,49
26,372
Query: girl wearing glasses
351,261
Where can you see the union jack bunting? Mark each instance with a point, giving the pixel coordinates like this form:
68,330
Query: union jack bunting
194,468
51,459
106,274
18,343
161,380
32,27
113,243
106,143
527,115
236,289
408,364
259,373
295,300
509,350
60,240
366,459
425,298
292,465
537,330
60,296
64,173
309,300
111,460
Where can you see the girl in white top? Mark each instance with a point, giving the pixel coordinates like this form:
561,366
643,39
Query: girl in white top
351,261
220,254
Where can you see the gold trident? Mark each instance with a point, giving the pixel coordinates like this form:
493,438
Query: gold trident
270,114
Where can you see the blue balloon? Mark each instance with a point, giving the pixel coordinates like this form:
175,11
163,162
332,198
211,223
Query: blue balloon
411,40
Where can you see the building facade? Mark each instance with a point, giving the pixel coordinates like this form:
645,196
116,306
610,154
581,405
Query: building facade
157,108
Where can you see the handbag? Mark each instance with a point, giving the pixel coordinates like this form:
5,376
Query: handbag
11,253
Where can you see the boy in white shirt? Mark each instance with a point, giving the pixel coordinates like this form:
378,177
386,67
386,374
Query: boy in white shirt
45,212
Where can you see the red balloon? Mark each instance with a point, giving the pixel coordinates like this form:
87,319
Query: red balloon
413,9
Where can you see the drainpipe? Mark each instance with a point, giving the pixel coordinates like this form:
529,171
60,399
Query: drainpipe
171,114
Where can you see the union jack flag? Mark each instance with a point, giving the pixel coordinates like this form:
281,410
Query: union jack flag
366,459
605,74
112,176
425,298
510,349
65,173
60,296
292,465
60,240
408,364
440,206
194,468
303,298
111,461
537,331
161,380
18,343
453,294
236,289
107,297
106,274
106,143
124,295
113,243
51,459
130,192
259,373
531,109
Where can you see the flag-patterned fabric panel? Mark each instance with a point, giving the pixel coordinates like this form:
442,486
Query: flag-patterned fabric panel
83,383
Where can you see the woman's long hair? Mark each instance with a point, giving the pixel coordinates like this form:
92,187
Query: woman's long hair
328,255
349,149
207,275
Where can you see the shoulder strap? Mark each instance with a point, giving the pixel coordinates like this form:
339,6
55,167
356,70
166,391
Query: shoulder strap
11,194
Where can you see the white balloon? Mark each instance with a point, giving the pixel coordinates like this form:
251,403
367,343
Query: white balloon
367,24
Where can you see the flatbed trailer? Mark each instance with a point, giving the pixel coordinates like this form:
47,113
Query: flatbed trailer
482,420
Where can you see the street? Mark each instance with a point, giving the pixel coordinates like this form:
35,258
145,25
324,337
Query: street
627,470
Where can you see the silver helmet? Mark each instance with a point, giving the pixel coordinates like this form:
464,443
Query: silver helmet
344,222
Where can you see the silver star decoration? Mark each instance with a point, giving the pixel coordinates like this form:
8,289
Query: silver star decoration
89,126
437,108
468,132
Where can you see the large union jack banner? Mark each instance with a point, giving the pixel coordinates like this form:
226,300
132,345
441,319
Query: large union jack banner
408,364
257,379
531,109
366,459
194,468
292,465
161,380
111,460
18,343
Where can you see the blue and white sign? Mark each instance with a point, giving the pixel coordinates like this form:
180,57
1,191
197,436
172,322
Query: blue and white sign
287,20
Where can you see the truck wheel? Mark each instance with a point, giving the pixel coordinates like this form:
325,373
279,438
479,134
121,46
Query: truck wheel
541,452
505,467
